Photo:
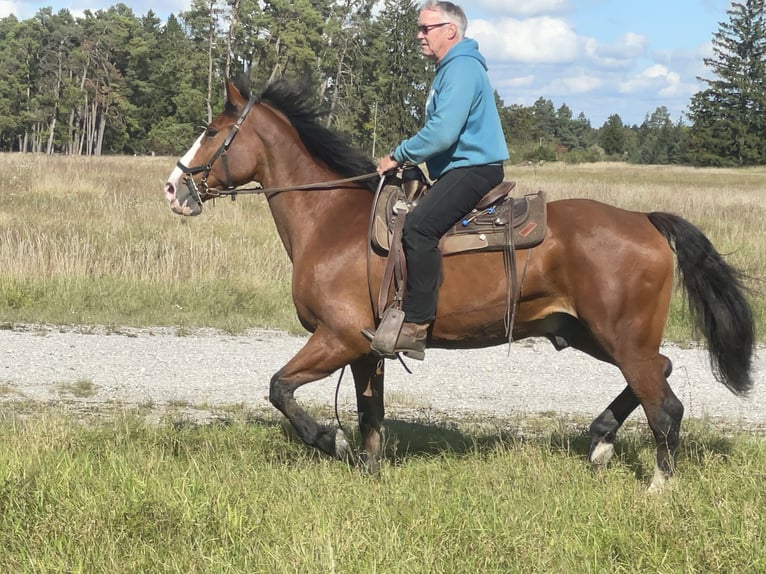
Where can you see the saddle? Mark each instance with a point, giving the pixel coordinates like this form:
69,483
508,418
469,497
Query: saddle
498,221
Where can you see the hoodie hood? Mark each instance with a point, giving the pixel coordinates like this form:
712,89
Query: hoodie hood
466,47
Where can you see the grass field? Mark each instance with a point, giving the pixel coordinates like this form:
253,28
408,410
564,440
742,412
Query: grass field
91,241
245,496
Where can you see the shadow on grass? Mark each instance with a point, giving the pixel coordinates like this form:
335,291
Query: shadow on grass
406,439
258,435
635,447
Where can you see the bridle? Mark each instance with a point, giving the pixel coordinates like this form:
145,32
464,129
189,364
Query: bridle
199,195
203,192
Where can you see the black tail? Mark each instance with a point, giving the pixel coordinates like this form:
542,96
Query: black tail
717,301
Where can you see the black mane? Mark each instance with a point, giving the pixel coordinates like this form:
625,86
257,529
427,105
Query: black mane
299,104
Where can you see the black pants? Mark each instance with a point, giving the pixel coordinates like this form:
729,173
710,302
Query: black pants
450,199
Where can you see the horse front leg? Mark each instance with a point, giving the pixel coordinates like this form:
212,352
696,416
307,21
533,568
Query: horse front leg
368,373
322,355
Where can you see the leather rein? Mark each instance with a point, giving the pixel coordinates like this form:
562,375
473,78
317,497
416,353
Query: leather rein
203,192
233,192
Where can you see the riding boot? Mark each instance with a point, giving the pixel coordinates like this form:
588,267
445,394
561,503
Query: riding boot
411,339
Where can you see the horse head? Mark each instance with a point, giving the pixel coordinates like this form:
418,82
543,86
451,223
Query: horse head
212,164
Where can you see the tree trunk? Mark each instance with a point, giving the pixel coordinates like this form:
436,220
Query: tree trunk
275,71
338,83
210,44
100,132
51,132
234,14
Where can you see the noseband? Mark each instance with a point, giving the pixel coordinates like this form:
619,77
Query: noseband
199,194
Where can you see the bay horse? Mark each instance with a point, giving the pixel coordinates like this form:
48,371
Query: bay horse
600,282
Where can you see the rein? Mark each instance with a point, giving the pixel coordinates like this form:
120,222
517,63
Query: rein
213,193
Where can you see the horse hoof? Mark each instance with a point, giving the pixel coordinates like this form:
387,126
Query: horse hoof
342,447
370,465
602,453
659,482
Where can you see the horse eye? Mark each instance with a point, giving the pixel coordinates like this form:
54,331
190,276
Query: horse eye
210,132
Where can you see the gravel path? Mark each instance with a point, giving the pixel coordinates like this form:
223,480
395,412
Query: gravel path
206,369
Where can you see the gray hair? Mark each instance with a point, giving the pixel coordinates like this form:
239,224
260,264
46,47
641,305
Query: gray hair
451,12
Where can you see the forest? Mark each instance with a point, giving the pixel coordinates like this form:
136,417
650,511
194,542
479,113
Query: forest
113,82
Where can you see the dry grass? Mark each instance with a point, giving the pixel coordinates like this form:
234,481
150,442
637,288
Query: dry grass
91,240
66,216
727,204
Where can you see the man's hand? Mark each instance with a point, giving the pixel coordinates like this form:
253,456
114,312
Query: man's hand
387,164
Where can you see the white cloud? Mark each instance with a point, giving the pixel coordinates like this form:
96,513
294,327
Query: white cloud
534,40
592,55
518,82
659,80
629,45
522,7
621,54
676,87
648,79
580,84
606,71
8,8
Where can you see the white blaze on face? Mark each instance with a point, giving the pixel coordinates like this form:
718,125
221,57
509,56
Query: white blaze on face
174,179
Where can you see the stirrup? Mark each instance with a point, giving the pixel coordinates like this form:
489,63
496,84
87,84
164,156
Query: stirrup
387,333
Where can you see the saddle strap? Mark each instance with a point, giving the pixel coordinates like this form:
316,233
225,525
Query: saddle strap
396,267
510,272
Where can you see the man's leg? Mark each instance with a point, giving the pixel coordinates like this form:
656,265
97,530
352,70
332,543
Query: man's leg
452,197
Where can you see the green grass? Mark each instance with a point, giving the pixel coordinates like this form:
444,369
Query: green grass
246,496
114,301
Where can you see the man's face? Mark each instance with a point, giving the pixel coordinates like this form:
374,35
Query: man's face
435,35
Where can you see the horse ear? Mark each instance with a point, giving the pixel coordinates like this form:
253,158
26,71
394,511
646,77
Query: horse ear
233,95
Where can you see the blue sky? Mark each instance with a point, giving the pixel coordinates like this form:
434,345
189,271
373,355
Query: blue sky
599,57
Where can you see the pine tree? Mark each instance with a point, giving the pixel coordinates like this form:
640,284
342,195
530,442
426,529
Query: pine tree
612,137
396,78
728,123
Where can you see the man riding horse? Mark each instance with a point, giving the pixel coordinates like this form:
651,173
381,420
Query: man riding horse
463,146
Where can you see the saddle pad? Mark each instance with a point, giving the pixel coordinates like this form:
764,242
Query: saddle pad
484,230
488,229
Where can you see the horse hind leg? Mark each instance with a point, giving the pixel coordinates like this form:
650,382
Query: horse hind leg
665,422
603,429
368,373
664,412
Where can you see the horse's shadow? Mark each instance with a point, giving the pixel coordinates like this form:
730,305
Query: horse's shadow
407,440
634,448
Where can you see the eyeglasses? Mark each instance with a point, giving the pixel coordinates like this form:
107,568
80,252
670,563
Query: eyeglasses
426,28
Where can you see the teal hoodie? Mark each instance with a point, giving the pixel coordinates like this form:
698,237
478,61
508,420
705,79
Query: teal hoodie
462,126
